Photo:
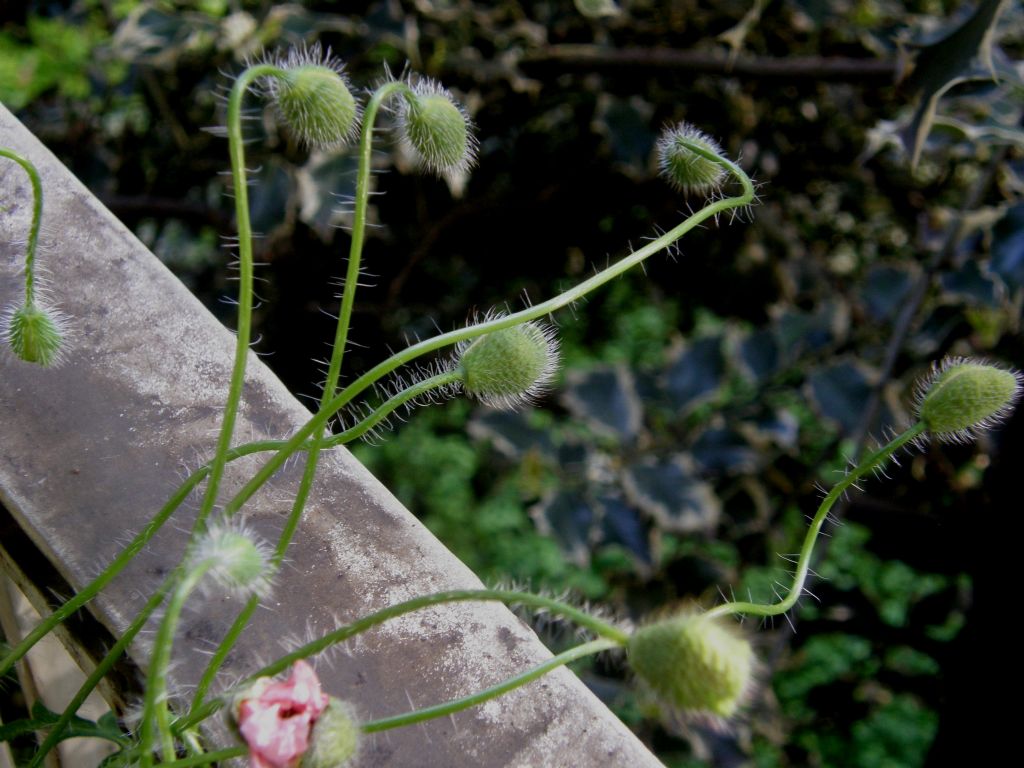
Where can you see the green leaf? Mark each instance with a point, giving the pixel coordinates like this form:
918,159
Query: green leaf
897,733
43,719
963,55
672,494
1008,247
606,399
841,392
823,659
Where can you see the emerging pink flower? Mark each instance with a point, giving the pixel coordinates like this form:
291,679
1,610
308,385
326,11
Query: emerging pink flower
275,717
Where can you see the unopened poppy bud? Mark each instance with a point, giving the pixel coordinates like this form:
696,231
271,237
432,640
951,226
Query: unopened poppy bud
436,129
313,97
689,171
694,663
964,397
34,334
334,740
509,367
237,560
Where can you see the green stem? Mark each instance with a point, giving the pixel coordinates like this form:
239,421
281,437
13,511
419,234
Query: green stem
206,759
104,667
155,711
319,421
509,597
355,254
37,216
380,414
236,149
88,592
872,462
457,705
344,315
316,441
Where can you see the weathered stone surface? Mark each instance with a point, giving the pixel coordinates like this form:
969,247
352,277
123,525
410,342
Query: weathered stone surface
89,452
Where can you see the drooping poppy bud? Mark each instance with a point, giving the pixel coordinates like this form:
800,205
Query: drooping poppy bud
695,663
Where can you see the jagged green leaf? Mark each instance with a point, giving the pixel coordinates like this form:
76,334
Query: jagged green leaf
606,399
671,493
723,451
885,288
158,38
696,373
972,284
569,518
841,393
510,433
1008,247
621,525
759,354
964,54
779,428
799,332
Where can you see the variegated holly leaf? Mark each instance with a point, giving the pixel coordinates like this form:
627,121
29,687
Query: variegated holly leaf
963,54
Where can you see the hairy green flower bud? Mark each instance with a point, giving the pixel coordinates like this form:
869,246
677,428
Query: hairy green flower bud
688,171
963,397
510,367
240,561
694,663
313,98
34,333
335,737
436,129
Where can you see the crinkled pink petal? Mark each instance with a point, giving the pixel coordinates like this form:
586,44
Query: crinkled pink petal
277,720
301,690
276,738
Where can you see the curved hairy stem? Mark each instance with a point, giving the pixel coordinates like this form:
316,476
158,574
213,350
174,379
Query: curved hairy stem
457,705
426,386
236,148
88,592
316,442
598,626
37,215
339,401
301,440
869,464
155,713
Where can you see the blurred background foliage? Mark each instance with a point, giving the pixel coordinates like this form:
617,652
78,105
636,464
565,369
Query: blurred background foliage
703,402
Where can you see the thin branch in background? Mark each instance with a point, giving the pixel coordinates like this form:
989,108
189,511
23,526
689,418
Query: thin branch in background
817,68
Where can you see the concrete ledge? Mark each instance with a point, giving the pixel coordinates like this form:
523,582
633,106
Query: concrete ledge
89,452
